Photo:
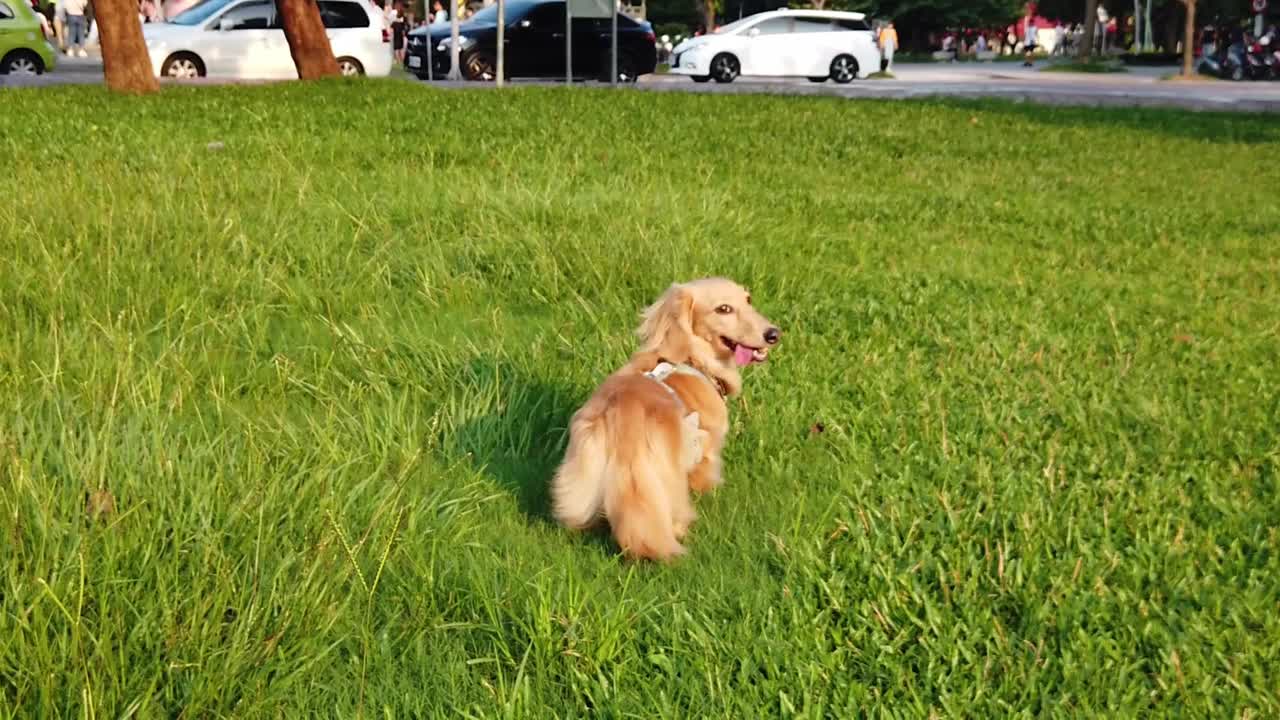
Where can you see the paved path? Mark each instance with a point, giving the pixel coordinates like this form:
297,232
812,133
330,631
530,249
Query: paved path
1140,87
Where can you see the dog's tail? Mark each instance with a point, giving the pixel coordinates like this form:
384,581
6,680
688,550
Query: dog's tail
640,512
577,492
637,498
611,467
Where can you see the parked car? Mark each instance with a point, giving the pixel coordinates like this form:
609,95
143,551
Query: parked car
244,39
817,44
535,40
24,50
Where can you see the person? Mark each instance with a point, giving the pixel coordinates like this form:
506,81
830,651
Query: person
75,26
1207,47
398,30
980,45
888,43
60,24
45,27
1060,39
440,16
1028,39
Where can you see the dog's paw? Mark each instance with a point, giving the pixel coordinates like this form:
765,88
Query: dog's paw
681,527
705,478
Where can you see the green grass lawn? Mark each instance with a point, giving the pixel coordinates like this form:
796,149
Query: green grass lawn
278,415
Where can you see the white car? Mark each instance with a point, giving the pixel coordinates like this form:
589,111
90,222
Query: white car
817,44
243,39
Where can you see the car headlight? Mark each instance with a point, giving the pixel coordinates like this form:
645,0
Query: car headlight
464,42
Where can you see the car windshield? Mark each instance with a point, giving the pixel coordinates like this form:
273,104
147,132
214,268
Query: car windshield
199,12
515,11
735,26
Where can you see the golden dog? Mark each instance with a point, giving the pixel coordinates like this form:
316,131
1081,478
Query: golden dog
654,429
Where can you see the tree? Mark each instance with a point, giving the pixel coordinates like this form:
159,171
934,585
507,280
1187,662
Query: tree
916,18
1090,29
308,42
707,13
1189,38
125,62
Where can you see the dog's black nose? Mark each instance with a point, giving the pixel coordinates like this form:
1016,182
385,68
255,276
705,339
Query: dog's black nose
772,336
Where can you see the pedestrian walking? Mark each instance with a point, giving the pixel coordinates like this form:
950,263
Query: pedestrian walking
398,30
77,26
1028,39
60,24
888,43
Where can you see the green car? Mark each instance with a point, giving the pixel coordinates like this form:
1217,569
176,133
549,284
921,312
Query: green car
23,48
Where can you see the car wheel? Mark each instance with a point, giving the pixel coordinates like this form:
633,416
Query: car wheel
350,67
627,72
844,69
182,66
724,68
701,78
479,66
817,79
22,62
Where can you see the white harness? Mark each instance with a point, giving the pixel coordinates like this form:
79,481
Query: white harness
664,370
694,435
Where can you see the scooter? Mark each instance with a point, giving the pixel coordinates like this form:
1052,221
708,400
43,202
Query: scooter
1255,66
1227,63
1270,56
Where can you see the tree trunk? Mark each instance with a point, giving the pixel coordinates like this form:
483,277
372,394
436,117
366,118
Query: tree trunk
707,9
1090,27
1148,44
1189,39
125,62
308,43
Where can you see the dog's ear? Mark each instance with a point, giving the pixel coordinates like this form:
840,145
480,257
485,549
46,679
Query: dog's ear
671,315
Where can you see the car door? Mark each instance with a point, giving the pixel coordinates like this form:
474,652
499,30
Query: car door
816,43
588,44
242,42
14,30
535,42
767,50
347,25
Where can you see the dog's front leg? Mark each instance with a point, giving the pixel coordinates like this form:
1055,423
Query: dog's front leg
705,476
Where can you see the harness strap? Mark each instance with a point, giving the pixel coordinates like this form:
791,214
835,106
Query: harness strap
664,370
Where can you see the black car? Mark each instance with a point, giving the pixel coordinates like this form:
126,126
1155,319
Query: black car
535,40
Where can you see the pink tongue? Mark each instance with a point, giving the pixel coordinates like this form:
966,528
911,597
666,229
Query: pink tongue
743,355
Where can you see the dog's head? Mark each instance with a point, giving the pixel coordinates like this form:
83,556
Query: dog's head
709,323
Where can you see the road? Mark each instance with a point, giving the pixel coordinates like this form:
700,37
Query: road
1140,87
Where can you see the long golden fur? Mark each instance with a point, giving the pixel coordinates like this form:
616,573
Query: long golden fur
629,446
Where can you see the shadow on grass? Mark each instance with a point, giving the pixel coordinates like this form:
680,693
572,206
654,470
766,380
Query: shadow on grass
515,432
519,437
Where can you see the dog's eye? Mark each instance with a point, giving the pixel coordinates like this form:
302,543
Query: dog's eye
724,309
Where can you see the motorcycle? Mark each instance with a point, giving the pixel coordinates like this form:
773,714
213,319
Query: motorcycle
1271,56
1255,65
